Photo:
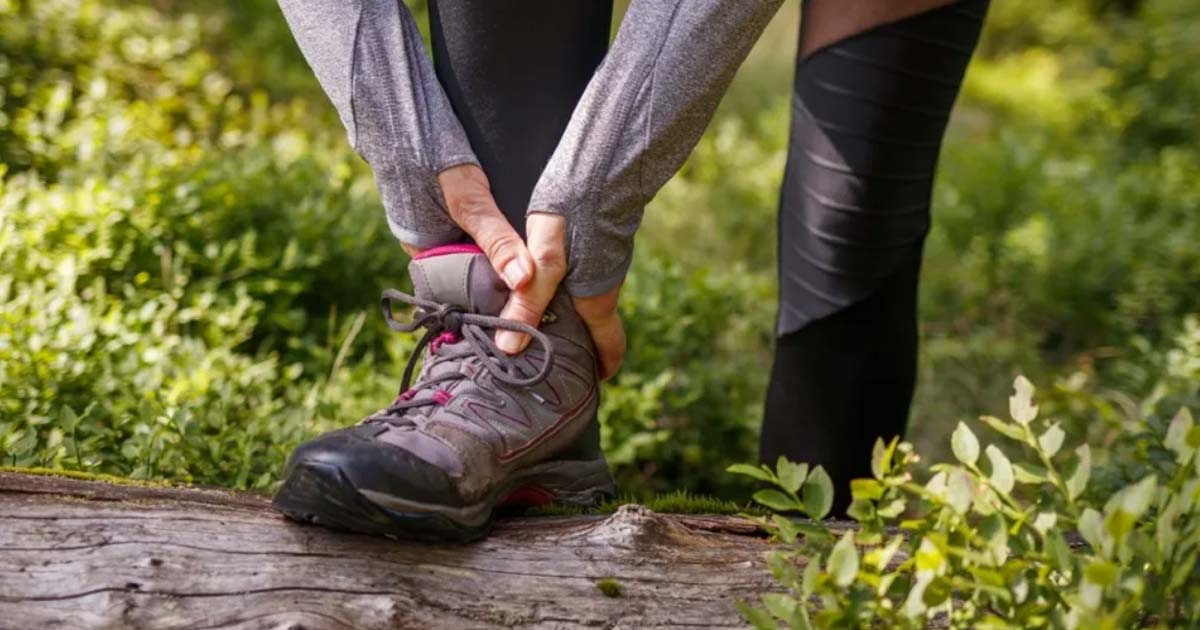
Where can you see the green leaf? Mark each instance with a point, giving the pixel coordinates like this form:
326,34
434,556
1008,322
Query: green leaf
1020,404
1002,472
1165,532
929,558
1052,440
1029,473
790,475
959,490
68,418
861,510
25,442
1077,479
757,617
1136,499
893,508
881,457
937,483
1101,572
1004,428
1091,528
809,584
814,530
843,560
994,531
1058,551
866,489
964,444
776,500
879,557
1044,521
914,604
780,605
751,471
1177,435
937,592
818,494
786,527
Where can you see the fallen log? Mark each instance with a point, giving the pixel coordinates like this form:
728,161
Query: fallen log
84,554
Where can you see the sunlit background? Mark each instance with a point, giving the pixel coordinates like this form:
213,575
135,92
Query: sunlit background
190,253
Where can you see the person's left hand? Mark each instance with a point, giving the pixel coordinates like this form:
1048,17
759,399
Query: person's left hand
544,236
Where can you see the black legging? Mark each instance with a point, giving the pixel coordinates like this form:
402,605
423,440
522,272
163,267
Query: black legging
867,123
513,70
867,127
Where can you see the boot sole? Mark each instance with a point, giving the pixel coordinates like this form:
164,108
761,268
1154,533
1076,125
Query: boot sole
321,493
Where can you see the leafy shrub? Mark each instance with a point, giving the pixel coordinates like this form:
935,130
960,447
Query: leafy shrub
673,416
184,263
1015,534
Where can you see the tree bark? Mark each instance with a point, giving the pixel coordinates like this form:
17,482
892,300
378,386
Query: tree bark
84,554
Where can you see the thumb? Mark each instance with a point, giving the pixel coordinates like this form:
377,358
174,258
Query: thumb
545,237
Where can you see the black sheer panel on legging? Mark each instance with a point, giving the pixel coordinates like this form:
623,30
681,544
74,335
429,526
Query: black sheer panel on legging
869,115
868,119
514,71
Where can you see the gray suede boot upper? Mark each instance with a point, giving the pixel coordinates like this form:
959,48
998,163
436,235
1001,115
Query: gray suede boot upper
464,414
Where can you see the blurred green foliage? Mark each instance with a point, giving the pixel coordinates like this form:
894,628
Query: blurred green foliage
190,252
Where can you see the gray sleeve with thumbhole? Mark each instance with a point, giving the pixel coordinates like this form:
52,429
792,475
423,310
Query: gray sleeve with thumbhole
368,57
639,118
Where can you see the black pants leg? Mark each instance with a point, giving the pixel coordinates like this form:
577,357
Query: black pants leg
867,124
514,70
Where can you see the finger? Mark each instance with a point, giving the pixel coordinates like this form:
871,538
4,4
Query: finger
600,315
472,207
526,304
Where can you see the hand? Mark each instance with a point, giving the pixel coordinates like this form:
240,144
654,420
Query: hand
546,242
470,204
534,271
608,333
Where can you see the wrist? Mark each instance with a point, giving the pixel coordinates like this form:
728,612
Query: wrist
461,183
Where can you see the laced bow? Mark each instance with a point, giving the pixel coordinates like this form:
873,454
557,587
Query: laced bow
438,318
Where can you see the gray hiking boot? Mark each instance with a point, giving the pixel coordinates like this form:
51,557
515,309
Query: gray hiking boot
478,430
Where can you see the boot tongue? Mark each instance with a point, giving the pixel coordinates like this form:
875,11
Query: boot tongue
460,275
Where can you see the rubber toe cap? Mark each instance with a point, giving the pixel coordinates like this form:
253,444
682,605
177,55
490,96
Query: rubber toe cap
373,465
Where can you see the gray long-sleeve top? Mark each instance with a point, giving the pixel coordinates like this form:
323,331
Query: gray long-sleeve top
641,115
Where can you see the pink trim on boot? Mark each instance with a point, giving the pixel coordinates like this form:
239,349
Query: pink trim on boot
455,248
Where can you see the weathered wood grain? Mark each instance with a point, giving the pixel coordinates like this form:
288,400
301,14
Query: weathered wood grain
80,554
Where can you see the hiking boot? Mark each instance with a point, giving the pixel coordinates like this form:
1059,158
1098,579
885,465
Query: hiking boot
478,430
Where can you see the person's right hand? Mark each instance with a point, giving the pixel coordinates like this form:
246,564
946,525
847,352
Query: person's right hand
545,235
470,204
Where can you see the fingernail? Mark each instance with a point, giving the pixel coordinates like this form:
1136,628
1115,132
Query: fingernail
509,341
515,273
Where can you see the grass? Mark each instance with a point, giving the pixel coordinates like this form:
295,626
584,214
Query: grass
87,476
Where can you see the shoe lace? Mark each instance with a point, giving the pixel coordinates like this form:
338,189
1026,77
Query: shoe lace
472,328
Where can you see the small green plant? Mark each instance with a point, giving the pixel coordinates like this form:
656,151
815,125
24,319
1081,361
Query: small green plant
1010,536
610,587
